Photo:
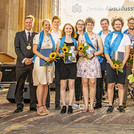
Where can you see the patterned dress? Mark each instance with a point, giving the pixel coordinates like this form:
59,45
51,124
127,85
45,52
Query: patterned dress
89,68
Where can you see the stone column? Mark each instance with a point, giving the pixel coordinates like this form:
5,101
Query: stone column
55,7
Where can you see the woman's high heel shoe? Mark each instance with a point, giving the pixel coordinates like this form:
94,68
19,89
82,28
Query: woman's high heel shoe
41,111
63,110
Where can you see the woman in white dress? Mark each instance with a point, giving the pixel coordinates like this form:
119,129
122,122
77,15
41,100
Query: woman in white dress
42,75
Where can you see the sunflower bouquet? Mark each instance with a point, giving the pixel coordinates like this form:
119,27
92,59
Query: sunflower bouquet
130,59
117,64
52,56
65,49
83,49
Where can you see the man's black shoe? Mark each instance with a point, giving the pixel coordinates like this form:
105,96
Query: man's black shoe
47,106
110,109
98,105
33,109
57,107
18,110
121,109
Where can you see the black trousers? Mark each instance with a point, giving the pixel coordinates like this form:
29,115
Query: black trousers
57,90
21,74
78,89
99,87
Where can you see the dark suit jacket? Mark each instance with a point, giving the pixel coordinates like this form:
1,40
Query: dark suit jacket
21,47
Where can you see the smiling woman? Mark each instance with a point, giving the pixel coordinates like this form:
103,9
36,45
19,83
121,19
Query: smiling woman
43,75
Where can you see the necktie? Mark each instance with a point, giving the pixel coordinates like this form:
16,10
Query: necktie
29,38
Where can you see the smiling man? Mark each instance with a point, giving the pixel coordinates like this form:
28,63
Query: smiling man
104,22
116,41
24,66
130,33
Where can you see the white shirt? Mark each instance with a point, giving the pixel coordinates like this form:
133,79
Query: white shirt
27,33
27,39
103,36
56,35
124,42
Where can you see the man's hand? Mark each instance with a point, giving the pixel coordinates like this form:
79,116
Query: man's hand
112,65
28,61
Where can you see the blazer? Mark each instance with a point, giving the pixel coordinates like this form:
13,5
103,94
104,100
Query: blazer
21,44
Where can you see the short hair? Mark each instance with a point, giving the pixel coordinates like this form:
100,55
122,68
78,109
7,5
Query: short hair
56,18
117,19
30,17
130,18
77,23
104,19
45,20
90,20
63,30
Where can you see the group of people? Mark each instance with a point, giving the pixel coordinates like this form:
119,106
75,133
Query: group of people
85,76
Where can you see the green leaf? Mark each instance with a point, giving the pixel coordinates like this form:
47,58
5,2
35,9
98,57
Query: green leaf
120,64
113,60
64,44
85,48
120,70
117,62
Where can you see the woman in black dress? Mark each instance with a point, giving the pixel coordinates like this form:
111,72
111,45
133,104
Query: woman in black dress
67,69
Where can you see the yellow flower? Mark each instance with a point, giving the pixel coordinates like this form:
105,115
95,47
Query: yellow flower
102,55
52,55
75,35
131,56
116,65
80,48
65,49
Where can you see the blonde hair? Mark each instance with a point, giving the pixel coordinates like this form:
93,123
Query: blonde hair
89,20
46,20
130,18
30,17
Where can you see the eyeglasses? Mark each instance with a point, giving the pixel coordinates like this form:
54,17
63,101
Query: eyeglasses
81,24
131,23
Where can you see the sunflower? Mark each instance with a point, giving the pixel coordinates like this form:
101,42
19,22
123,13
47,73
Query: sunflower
131,56
52,55
116,65
102,55
80,48
65,49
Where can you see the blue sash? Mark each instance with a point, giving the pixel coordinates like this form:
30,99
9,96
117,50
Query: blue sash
125,31
41,38
62,42
101,32
90,43
110,48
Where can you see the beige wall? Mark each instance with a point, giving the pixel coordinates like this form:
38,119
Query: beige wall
12,14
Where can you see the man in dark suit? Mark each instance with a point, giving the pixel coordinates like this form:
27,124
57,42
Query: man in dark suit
24,65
